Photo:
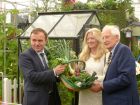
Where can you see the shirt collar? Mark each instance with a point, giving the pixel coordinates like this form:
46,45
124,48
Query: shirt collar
41,52
114,47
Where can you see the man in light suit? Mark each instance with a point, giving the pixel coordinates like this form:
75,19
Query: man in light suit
119,86
39,81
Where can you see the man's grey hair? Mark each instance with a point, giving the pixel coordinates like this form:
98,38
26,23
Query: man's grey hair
114,29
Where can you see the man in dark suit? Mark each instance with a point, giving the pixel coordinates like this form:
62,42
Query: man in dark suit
119,86
39,81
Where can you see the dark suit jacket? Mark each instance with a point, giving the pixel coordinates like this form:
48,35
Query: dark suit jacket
39,83
120,81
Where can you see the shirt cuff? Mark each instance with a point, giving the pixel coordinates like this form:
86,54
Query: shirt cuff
55,74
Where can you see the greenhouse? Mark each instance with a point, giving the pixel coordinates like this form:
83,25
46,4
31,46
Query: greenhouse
68,24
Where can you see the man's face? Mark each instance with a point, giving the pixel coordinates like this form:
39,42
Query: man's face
38,41
109,40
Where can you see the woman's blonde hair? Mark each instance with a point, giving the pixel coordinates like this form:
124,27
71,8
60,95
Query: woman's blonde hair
85,53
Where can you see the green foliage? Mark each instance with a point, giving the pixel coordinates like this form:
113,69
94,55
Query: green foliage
81,81
136,52
138,82
80,6
66,95
109,11
60,49
114,12
8,46
14,11
110,4
135,49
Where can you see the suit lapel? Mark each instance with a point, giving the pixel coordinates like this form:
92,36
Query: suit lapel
116,49
114,53
48,58
36,58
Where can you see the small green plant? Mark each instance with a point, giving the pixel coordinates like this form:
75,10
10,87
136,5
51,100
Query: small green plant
60,49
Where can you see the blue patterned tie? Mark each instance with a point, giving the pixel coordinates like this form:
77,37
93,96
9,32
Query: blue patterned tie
109,58
43,59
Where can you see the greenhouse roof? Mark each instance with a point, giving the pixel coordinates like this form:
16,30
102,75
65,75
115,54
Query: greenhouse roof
63,24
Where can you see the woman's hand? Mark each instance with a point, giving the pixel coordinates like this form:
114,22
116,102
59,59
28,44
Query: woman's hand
96,87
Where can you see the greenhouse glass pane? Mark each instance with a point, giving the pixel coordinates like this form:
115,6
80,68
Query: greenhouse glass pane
44,21
95,21
70,25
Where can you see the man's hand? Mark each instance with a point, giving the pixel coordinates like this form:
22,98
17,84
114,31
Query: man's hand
59,69
96,87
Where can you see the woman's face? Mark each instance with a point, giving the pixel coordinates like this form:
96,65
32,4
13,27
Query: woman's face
91,41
